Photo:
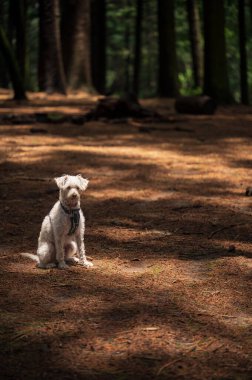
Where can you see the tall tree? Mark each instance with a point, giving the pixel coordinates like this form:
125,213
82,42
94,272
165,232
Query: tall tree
76,43
127,47
51,70
168,86
195,39
4,81
216,82
12,66
17,33
98,44
138,41
11,22
250,9
149,37
243,53
21,37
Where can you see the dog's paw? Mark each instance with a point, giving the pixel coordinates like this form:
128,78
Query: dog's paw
51,265
46,266
41,266
86,263
62,265
73,260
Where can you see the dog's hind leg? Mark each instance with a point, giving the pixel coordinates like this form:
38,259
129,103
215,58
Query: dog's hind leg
70,252
46,254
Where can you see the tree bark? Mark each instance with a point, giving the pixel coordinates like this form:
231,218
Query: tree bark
76,33
243,53
138,45
4,79
195,39
98,44
21,38
216,82
51,70
250,10
168,86
11,64
11,22
66,31
128,56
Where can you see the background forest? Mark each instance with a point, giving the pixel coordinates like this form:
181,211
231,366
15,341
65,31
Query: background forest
145,47
97,87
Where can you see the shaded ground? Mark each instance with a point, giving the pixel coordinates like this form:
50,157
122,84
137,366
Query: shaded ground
168,229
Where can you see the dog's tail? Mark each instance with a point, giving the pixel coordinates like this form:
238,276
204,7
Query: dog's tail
30,256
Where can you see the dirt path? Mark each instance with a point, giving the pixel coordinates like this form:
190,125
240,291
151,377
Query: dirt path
169,232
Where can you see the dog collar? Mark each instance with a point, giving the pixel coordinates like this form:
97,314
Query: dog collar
74,217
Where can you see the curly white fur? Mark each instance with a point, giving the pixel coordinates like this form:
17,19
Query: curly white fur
55,245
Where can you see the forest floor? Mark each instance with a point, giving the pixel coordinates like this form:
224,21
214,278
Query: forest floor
168,227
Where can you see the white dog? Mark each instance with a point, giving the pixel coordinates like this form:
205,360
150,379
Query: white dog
61,237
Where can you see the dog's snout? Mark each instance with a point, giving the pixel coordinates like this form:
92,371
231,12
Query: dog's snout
74,195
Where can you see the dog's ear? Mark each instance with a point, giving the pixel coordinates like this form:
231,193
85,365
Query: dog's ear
61,181
83,182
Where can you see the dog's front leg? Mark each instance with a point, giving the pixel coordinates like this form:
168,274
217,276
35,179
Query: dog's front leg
82,254
60,254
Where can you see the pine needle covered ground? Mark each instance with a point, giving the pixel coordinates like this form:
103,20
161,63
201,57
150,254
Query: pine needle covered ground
168,227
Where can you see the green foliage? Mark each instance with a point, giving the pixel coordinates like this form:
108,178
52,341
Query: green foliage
120,43
120,56
121,16
33,44
185,73
186,83
232,46
149,64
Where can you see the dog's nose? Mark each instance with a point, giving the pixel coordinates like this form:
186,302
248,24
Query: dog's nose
74,196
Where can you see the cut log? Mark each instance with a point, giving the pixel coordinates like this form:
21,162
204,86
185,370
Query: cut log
117,108
195,105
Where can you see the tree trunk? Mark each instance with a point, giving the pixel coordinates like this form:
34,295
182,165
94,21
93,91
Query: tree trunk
51,70
168,86
243,53
216,82
77,55
4,82
195,39
250,11
11,22
4,79
138,44
127,61
98,44
21,38
67,21
11,64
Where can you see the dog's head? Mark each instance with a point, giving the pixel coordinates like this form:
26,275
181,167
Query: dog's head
71,188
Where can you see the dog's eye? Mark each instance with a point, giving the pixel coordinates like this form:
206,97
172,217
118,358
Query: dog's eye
77,187
68,187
